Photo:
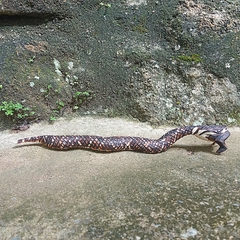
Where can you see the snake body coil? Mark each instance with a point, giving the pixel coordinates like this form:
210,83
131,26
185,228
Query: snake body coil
213,133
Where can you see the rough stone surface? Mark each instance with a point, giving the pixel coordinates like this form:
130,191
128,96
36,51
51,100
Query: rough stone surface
221,17
159,61
40,8
199,97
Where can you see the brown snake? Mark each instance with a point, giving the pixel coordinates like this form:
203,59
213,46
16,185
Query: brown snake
214,133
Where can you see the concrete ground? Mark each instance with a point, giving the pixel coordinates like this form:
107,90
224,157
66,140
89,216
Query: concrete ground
186,192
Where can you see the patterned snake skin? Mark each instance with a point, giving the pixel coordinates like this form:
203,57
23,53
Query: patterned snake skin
214,133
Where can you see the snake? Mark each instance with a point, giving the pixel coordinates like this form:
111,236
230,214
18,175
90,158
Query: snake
213,133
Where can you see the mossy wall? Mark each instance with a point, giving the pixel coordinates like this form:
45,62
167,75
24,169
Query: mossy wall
112,49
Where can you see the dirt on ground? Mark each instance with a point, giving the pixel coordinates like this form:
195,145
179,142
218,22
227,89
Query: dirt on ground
188,191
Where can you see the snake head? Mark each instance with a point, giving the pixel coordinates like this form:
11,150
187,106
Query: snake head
214,133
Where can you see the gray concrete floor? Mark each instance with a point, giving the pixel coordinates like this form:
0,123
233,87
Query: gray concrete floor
186,192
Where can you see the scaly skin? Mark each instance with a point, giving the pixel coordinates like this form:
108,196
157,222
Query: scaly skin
214,133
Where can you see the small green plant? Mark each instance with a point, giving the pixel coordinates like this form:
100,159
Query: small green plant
46,91
77,94
9,108
54,115
16,110
31,60
52,119
192,58
1,86
79,98
107,5
60,104
49,87
57,90
56,112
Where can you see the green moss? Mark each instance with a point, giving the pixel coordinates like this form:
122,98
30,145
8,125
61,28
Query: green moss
190,58
140,28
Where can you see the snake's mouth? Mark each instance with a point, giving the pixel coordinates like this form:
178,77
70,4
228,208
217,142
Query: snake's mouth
220,140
